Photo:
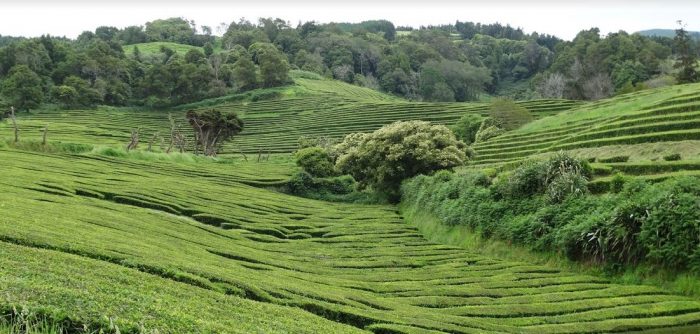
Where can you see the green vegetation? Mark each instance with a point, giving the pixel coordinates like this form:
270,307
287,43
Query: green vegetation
153,49
315,161
535,216
662,115
212,128
22,87
91,242
274,118
545,206
467,128
688,59
398,151
173,61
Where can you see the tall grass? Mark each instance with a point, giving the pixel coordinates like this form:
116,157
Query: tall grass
49,147
178,157
25,322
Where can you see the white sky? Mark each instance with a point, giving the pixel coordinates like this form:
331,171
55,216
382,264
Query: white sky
562,18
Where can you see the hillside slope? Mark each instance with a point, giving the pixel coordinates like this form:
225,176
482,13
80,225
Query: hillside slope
630,133
310,107
189,248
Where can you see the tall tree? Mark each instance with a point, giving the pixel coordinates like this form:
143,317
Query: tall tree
274,69
23,88
687,59
244,75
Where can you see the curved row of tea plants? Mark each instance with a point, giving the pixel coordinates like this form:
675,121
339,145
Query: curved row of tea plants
190,248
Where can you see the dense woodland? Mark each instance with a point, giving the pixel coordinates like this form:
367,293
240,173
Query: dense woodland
459,62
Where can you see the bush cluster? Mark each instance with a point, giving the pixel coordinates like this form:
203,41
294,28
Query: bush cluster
558,177
467,127
315,161
657,224
304,184
384,158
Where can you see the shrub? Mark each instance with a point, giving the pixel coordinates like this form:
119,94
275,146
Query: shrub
672,157
300,183
395,152
671,231
340,185
558,177
315,161
525,181
467,127
654,223
508,115
566,184
303,184
486,133
561,163
617,182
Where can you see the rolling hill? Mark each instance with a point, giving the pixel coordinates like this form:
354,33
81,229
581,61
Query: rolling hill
313,106
630,133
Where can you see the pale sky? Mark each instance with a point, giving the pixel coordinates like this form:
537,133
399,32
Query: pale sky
561,18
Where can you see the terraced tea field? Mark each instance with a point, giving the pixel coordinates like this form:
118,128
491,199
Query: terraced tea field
650,124
323,108
203,248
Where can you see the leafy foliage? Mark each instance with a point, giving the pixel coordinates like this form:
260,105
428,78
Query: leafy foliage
23,88
398,151
545,206
212,128
508,115
315,161
687,61
467,127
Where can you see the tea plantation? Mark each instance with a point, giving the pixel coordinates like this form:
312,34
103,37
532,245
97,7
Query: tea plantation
632,134
310,107
119,244
191,248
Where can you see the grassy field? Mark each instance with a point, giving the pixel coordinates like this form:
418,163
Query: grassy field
197,248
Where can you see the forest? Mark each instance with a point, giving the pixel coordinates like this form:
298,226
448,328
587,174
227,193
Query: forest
461,62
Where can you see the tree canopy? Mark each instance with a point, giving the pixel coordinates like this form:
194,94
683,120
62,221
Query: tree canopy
212,128
455,62
22,88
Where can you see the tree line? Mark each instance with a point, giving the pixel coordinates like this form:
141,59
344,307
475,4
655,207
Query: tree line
456,62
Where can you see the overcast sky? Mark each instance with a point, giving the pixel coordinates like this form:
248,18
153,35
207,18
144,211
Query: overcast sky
562,18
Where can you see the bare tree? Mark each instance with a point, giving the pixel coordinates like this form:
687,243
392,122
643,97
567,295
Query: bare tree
43,137
553,86
216,61
134,140
153,140
343,72
598,87
177,139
